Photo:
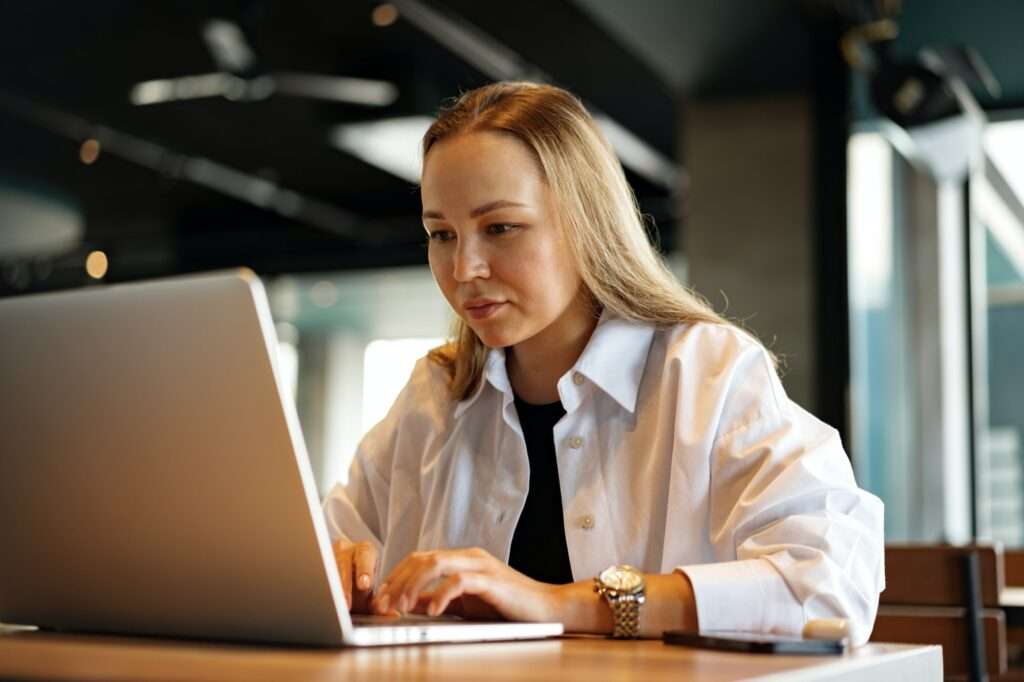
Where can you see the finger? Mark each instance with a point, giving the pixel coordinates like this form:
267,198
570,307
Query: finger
455,586
390,589
365,565
393,588
343,558
345,569
420,573
432,566
422,602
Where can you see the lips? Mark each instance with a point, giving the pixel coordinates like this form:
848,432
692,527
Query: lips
482,308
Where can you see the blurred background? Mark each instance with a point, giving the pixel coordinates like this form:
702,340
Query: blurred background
845,177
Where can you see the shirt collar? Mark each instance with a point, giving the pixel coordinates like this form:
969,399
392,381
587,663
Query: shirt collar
613,359
494,373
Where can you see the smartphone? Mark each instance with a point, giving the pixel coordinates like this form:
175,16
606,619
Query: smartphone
756,643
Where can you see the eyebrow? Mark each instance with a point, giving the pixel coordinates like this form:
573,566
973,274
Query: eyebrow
478,211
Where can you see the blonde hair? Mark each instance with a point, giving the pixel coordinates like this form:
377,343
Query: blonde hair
620,269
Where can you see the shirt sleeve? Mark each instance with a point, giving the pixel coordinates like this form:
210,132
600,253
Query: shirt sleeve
379,502
357,510
794,536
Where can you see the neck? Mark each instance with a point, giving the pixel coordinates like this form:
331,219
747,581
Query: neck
536,364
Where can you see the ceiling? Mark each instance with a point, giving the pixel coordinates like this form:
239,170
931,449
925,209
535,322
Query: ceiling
713,47
82,59
66,70
992,28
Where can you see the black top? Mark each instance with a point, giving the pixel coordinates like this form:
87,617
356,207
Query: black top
538,545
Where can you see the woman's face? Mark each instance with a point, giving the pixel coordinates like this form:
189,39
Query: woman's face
496,246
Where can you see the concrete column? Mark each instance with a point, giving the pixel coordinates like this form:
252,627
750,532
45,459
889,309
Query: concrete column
747,222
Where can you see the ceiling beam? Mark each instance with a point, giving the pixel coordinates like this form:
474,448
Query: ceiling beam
499,62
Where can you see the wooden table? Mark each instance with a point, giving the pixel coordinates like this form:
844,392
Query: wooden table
38,655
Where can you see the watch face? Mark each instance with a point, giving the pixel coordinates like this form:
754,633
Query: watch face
624,579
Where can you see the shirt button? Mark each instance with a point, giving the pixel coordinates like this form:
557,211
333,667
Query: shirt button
575,442
586,522
577,378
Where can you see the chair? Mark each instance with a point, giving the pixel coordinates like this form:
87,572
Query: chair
1013,560
941,594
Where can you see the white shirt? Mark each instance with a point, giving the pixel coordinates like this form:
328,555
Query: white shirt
679,450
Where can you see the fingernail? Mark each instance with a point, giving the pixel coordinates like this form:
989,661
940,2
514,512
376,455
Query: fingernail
432,610
382,603
364,582
401,604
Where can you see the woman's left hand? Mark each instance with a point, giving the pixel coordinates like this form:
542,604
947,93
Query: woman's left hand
472,583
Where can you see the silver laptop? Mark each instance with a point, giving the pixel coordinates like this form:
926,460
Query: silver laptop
154,480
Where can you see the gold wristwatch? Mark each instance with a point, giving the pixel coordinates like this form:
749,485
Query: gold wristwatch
623,588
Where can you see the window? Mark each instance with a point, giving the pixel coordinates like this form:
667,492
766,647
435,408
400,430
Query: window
387,364
936,287
881,435
351,340
997,210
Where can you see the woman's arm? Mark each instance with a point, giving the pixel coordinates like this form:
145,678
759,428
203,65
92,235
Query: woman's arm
793,537
669,605
355,523
357,511
473,583
362,514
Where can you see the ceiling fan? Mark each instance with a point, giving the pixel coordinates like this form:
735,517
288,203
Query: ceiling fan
237,78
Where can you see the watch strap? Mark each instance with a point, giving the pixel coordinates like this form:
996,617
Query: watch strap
626,612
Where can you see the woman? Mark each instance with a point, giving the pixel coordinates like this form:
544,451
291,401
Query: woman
590,416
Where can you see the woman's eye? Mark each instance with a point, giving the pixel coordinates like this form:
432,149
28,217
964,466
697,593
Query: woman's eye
441,236
501,228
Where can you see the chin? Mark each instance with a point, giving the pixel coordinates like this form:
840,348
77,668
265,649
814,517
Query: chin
495,338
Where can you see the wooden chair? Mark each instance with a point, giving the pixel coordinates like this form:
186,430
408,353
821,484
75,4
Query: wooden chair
1013,560
940,594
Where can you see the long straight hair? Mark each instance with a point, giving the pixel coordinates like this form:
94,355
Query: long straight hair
620,269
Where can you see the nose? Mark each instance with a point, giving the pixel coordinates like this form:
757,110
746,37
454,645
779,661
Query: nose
470,261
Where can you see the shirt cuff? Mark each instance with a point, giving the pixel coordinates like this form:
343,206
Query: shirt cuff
743,596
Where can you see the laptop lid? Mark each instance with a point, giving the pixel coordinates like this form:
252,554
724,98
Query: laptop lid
153,477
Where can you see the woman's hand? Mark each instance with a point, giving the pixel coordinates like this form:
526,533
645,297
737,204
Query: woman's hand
357,563
472,584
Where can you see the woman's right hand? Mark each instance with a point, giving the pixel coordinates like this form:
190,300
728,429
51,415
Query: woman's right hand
357,564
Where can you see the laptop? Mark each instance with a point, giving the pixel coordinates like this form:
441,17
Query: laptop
154,480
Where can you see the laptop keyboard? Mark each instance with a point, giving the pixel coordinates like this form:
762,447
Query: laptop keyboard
363,620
